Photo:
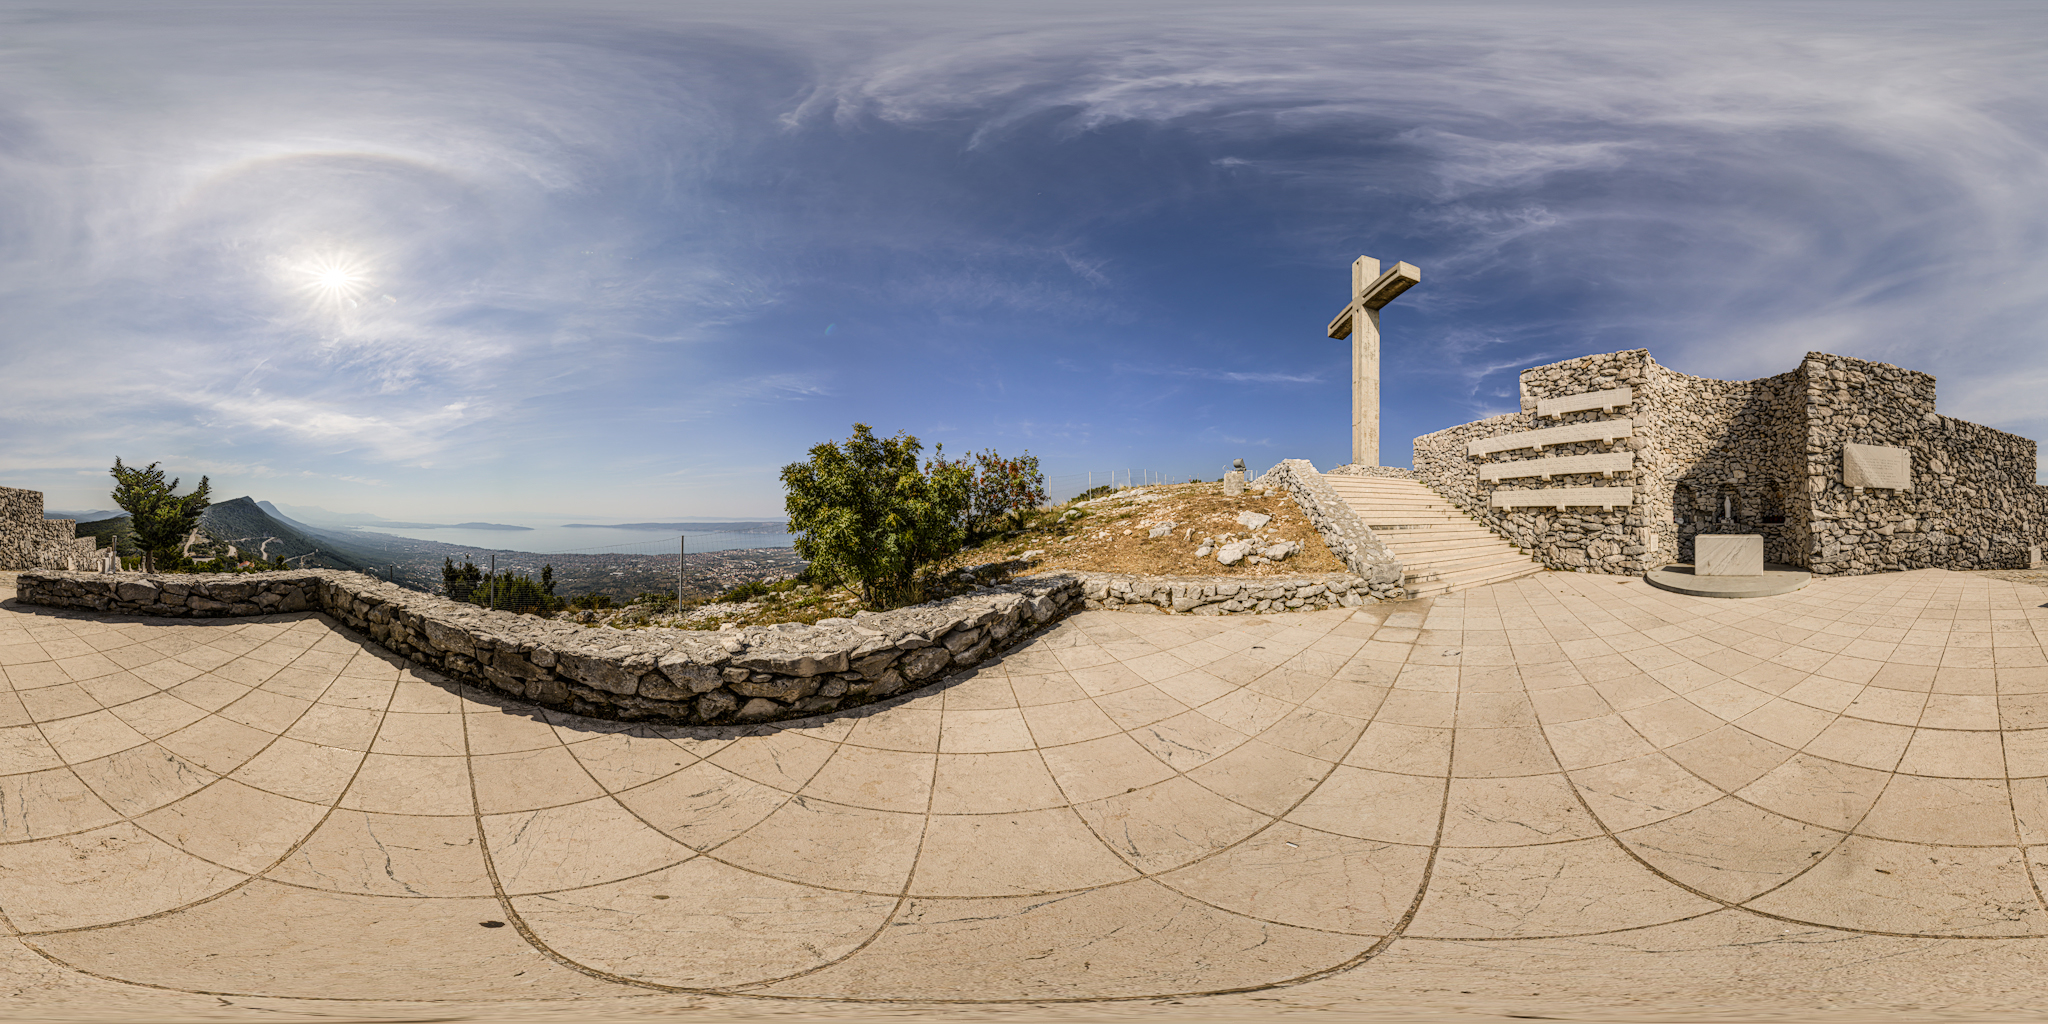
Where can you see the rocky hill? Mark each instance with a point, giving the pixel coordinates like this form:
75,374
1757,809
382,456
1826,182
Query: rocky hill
257,535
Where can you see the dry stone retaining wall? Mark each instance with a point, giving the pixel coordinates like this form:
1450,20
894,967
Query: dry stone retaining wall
1221,595
1342,530
1391,472
1769,451
756,674
28,541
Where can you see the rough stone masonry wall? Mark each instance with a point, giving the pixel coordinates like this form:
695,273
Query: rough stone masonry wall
1773,446
28,541
1974,503
1580,538
1707,439
1342,530
756,674
1388,472
1221,595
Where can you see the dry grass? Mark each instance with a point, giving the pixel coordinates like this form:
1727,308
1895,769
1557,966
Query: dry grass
1111,534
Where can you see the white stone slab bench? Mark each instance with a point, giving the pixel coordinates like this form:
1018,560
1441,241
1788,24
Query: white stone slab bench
1552,408
1605,431
1565,497
1605,464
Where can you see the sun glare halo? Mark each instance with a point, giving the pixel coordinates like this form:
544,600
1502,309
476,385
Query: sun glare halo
334,280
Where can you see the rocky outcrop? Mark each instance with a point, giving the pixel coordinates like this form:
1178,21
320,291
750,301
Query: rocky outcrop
1221,595
1342,530
757,674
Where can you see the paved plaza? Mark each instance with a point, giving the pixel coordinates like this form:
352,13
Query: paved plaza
1566,795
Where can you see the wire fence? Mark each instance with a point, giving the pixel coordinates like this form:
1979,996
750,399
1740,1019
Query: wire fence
1060,487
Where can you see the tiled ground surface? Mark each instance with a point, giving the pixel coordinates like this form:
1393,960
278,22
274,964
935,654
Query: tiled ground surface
1566,793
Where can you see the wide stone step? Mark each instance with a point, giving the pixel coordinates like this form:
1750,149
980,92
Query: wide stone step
1438,588
1436,547
1455,567
1441,547
1416,519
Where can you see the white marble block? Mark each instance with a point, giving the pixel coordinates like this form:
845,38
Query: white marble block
1728,554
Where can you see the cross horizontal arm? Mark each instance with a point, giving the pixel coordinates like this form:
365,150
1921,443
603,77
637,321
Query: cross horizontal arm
1389,286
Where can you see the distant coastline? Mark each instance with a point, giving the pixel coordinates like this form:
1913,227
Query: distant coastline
748,526
433,526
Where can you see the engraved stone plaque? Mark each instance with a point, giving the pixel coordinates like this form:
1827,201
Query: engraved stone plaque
1728,554
1876,465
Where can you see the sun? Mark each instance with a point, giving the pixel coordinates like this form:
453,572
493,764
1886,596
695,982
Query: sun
333,279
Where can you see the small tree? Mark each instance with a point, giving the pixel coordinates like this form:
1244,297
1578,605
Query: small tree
865,516
160,518
1004,489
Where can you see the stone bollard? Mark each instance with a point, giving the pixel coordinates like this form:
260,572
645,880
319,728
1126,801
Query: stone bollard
1233,481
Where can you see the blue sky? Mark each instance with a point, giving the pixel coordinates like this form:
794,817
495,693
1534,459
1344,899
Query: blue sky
513,260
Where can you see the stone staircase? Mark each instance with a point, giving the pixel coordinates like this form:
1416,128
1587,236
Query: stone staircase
1442,548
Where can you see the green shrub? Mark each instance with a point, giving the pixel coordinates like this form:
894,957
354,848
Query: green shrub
1004,490
505,591
867,517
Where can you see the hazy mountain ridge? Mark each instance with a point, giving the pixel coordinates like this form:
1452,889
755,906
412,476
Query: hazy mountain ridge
256,534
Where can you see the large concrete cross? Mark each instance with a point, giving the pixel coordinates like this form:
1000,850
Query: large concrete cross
1360,321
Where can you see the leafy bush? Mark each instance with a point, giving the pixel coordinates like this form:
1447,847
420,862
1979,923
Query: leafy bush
1003,491
865,516
744,592
505,591
1097,491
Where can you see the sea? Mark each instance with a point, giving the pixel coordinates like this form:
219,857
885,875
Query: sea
556,540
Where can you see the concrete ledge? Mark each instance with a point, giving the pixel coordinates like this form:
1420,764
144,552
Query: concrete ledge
757,674
1220,595
1776,579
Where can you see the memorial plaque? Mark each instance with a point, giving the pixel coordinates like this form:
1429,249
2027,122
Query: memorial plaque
1877,465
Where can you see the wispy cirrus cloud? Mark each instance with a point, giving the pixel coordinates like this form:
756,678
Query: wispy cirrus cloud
586,241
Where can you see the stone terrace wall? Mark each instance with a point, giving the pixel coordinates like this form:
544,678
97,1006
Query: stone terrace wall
1342,530
1974,503
1583,539
1773,447
757,674
1395,472
1706,438
1221,595
28,541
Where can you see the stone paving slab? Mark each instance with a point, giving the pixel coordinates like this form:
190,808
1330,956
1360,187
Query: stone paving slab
1565,794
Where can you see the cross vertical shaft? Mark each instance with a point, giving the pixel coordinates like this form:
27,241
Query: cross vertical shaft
1360,321
1365,367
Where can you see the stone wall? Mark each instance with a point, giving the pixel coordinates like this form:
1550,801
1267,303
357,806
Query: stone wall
28,541
1769,453
756,674
1221,595
1583,538
1973,504
1342,530
1393,472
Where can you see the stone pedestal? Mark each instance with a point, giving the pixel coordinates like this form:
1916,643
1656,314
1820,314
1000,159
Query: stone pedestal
1233,482
1728,554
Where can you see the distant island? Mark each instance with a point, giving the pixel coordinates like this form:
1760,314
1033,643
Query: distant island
758,526
434,526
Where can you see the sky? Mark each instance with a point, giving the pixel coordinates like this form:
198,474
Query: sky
519,261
